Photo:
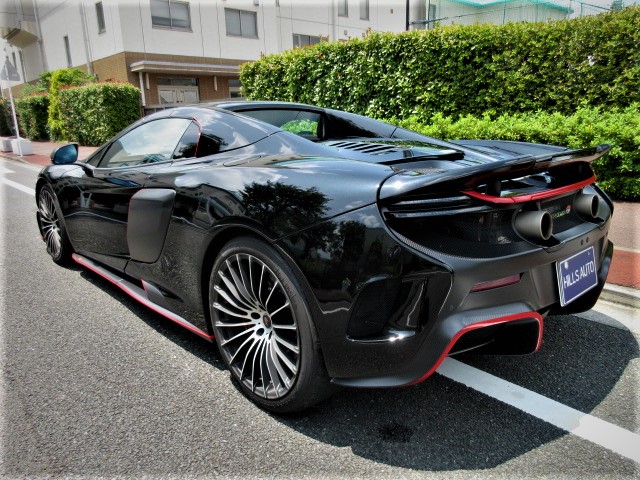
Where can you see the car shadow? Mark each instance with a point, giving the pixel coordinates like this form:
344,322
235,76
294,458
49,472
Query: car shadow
197,346
441,425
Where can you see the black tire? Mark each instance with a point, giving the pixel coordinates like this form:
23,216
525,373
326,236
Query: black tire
52,227
263,327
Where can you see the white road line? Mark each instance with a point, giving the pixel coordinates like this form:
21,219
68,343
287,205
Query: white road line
18,186
614,438
15,163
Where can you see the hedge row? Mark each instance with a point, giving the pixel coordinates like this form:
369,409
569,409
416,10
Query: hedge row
458,70
33,114
95,112
618,172
59,80
5,117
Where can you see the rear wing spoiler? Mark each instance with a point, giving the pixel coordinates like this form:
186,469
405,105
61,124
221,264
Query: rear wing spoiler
466,179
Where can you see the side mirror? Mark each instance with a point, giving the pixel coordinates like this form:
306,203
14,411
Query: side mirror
66,154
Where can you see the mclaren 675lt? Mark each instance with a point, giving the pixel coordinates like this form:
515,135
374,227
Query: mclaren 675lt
319,248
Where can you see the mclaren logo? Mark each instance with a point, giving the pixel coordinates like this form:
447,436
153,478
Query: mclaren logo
559,213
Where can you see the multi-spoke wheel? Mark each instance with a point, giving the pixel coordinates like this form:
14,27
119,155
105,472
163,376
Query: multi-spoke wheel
52,227
263,327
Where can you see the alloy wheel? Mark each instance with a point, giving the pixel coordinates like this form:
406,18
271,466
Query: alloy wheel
256,325
50,223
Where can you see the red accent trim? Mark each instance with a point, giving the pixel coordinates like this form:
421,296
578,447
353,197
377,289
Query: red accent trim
530,197
501,282
146,302
482,324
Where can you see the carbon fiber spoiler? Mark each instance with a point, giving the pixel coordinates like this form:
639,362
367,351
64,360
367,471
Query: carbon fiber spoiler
467,178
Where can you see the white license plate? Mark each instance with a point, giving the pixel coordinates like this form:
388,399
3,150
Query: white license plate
577,275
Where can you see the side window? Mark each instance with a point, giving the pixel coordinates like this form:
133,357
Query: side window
301,122
151,142
188,143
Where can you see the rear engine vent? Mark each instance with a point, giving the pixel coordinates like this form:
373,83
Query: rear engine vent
369,148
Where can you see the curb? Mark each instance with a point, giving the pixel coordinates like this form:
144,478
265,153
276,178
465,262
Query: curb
626,296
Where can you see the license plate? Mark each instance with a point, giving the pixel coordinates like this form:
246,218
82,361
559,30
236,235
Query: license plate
576,275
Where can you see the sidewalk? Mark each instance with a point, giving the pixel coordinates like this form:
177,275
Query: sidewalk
42,153
623,283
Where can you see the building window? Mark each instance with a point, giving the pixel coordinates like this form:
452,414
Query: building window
170,14
177,81
300,40
67,49
364,9
100,16
343,8
234,88
241,23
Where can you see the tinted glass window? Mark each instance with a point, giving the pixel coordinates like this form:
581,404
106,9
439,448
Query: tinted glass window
150,142
188,143
300,122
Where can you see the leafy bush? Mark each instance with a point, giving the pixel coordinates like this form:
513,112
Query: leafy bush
459,70
94,113
57,81
42,85
618,172
5,117
33,115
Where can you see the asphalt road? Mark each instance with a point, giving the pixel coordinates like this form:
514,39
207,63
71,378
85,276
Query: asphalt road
94,384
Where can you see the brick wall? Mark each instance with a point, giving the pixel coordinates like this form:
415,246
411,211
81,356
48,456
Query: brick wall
116,67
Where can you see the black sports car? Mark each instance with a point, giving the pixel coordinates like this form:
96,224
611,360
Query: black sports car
320,248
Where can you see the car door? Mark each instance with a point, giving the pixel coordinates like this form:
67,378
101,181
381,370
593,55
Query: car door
97,199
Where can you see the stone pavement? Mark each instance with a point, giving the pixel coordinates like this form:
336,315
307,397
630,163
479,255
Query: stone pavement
623,283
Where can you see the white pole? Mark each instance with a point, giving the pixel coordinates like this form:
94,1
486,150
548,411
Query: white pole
13,107
15,122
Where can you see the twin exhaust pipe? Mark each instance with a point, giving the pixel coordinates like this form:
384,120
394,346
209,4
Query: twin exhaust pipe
537,225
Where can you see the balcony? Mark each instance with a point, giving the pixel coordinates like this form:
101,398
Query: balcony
18,30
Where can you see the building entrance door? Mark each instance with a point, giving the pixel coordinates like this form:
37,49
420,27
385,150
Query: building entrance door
178,95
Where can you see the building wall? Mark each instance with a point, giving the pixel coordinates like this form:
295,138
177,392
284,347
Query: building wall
129,35
58,21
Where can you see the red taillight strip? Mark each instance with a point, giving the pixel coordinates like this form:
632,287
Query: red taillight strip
531,196
139,294
482,324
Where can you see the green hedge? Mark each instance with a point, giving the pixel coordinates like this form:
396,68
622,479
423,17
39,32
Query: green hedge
33,114
5,118
618,172
94,113
458,70
58,80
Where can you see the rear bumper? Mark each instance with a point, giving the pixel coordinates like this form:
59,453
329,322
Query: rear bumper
504,320
511,328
